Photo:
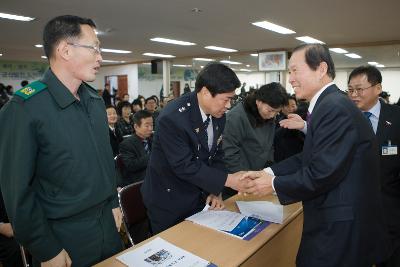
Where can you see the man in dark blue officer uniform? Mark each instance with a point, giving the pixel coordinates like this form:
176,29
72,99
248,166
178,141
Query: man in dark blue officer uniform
186,169
57,172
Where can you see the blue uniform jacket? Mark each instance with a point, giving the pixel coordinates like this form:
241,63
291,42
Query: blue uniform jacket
181,170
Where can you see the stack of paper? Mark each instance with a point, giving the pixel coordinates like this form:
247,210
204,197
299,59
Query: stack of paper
232,223
159,252
265,210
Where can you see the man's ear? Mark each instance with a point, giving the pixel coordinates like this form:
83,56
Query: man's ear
323,69
63,50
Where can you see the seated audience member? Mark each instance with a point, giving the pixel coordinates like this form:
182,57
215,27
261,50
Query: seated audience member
136,105
289,142
151,106
112,118
125,97
385,96
24,83
135,150
10,253
291,107
3,95
250,130
124,124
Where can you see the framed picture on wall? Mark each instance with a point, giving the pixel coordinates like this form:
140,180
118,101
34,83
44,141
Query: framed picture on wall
272,61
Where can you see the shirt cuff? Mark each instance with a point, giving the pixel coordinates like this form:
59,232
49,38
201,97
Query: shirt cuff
270,171
304,130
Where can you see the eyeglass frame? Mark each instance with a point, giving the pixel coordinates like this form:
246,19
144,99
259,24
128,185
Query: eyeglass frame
96,49
359,91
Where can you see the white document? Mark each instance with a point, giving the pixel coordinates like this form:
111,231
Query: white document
265,210
159,252
222,220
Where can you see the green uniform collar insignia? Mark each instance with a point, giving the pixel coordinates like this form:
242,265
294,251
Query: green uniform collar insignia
31,90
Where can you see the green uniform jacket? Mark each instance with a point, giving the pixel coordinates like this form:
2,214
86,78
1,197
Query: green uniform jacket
56,160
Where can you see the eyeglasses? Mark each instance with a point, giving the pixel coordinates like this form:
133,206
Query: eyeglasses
96,49
359,91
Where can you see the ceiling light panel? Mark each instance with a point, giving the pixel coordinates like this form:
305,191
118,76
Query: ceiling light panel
223,49
171,41
15,17
352,55
309,40
117,51
157,55
273,27
338,50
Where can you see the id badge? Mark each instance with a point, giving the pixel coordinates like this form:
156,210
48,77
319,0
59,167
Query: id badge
389,150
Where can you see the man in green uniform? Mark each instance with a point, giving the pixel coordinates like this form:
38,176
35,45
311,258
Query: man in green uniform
57,171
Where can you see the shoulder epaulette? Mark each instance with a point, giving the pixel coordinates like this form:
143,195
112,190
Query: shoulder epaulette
31,90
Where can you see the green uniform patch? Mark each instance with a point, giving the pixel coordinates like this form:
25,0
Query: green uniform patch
31,89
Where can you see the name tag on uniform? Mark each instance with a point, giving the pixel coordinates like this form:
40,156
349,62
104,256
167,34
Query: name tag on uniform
389,150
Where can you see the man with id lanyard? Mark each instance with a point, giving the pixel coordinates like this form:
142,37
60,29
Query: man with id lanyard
364,87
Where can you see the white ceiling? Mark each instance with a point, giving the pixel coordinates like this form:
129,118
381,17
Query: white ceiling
367,27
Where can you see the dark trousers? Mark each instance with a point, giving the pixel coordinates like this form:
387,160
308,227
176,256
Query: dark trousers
10,253
89,237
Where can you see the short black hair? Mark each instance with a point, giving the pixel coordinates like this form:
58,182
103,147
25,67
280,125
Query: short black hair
110,106
291,97
121,105
273,94
150,98
374,76
315,54
24,83
60,28
141,114
217,78
137,102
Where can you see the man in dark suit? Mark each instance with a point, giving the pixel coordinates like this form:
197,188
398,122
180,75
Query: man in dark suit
186,168
135,150
10,254
336,175
365,86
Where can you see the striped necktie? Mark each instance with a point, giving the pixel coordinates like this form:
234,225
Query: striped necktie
368,114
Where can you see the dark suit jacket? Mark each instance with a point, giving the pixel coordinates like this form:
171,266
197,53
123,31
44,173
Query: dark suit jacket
389,129
336,178
134,159
181,171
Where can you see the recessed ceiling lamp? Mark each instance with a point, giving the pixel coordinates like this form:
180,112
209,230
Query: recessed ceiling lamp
38,45
338,50
380,66
254,55
44,57
373,63
273,27
15,17
157,55
223,49
171,41
112,61
182,66
352,55
309,40
230,62
245,70
107,50
203,59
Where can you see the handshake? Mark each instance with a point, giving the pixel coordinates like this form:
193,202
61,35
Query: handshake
257,183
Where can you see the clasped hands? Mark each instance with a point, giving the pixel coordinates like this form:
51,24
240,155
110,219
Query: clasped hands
257,183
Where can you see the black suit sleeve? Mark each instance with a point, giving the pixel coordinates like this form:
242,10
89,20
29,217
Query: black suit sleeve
332,145
132,156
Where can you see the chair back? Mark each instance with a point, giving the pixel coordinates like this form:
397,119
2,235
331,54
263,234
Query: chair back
133,209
